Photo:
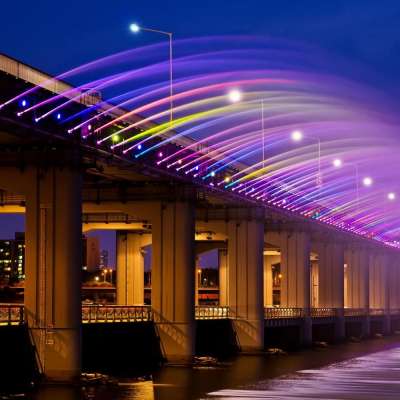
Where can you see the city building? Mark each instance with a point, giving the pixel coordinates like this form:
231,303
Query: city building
12,259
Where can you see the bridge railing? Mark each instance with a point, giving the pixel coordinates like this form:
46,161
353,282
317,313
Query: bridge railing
212,312
12,314
376,311
115,313
283,312
323,312
355,312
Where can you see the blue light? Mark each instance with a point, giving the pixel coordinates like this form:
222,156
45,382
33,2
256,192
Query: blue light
58,116
24,103
139,146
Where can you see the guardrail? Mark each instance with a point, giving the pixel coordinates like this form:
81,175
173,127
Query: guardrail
355,312
12,314
212,312
115,313
376,311
323,312
283,312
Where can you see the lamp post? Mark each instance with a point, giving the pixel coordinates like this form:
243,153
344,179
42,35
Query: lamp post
297,136
135,28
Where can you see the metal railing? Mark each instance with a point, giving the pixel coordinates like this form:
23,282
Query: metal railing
283,312
212,312
11,314
115,313
323,312
376,311
355,312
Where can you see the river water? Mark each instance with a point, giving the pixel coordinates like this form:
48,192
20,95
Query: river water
367,370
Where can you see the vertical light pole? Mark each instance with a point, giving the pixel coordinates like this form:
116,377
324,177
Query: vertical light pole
135,28
297,136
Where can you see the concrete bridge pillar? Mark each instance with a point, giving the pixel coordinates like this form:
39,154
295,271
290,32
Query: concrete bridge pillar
295,270
379,286
331,280
357,282
130,267
173,285
53,269
223,276
269,260
245,275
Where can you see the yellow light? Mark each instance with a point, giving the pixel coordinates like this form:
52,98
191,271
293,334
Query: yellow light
280,276
96,278
227,179
115,138
199,271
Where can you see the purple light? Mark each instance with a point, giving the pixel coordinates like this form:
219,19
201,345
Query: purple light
160,154
139,147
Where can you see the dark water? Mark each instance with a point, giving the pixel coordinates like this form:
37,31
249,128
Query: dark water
367,370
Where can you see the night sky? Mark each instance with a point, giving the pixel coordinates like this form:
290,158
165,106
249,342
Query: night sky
57,35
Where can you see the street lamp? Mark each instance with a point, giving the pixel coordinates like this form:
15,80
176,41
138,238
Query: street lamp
367,181
235,96
391,196
297,136
135,28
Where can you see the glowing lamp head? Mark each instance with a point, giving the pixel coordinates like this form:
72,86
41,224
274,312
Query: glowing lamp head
24,103
234,96
337,162
297,136
160,154
367,181
391,196
135,28
139,147
58,116
115,138
212,174
227,179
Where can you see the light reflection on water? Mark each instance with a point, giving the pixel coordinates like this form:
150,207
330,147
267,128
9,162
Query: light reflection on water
373,376
376,376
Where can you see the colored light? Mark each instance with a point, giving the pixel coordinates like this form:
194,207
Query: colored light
115,138
24,103
297,136
58,116
135,28
367,181
337,162
234,96
227,179
160,154
89,127
391,196
139,147
212,174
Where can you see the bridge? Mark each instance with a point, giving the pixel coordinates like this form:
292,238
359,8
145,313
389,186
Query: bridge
66,184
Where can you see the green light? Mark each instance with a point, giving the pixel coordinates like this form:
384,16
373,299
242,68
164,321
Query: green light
115,138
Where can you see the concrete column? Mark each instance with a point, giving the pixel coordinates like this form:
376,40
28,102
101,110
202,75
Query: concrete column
173,278
269,260
357,272
295,269
357,282
331,281
223,277
296,279
53,269
379,286
245,269
130,267
331,274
